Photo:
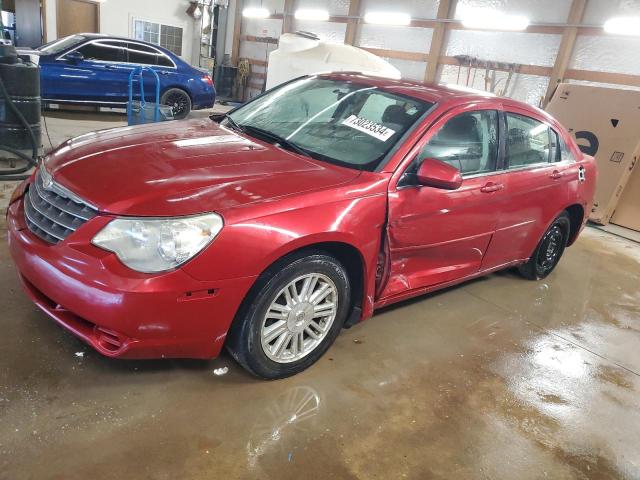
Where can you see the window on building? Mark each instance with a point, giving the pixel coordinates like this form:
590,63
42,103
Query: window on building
166,36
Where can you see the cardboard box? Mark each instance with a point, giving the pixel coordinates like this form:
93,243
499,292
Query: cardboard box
627,213
606,125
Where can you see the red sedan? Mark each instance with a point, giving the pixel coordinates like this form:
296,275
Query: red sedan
269,229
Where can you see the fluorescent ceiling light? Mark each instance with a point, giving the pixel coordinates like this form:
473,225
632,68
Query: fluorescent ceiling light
489,19
310,14
623,26
388,18
255,12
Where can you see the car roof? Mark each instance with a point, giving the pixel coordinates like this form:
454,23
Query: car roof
431,92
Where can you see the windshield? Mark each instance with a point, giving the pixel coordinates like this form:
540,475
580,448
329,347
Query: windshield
337,121
61,44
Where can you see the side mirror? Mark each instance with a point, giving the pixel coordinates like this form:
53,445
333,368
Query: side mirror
74,57
437,174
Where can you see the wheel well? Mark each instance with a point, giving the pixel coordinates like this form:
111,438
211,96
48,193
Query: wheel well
576,215
352,260
346,254
350,257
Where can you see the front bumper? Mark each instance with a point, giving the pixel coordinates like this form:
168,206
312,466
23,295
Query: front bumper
120,312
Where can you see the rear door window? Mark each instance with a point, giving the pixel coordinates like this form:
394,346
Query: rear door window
529,142
565,154
141,54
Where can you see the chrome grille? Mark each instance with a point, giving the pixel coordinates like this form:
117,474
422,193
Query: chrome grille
52,214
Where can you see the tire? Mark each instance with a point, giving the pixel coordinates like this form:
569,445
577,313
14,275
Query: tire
179,100
549,250
258,338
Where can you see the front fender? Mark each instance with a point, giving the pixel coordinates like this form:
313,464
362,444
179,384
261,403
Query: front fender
248,247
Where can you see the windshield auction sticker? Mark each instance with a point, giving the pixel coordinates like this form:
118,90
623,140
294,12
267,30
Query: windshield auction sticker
370,128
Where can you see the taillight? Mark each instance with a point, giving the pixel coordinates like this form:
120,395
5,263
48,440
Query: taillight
208,80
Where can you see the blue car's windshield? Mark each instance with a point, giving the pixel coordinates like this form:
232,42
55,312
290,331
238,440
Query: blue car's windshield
62,44
338,121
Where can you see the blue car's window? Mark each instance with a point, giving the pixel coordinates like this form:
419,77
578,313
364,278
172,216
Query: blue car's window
62,44
164,61
103,51
141,54
338,121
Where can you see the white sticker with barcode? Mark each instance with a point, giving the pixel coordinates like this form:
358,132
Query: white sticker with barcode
370,128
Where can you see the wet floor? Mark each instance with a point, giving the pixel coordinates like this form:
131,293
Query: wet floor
500,378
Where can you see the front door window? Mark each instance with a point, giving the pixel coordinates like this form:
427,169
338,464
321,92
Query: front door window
468,142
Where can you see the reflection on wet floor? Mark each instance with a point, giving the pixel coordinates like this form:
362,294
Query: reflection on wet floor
499,379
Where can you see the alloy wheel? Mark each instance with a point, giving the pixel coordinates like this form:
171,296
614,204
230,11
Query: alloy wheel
178,103
299,318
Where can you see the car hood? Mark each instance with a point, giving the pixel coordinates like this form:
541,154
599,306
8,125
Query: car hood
182,168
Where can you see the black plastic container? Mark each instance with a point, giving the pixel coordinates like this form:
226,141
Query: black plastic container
22,83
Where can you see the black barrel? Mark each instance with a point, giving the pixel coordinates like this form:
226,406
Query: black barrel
22,84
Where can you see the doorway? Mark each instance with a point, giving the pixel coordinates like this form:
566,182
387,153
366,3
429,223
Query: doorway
77,16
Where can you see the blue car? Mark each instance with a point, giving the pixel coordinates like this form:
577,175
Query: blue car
93,69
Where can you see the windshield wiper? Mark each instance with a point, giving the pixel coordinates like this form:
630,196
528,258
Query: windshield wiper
218,117
277,139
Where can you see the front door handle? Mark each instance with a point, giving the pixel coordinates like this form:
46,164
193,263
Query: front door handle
111,67
491,187
556,175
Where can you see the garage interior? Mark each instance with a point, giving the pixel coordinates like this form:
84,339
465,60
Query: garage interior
496,378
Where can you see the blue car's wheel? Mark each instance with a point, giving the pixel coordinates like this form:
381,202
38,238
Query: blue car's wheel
178,100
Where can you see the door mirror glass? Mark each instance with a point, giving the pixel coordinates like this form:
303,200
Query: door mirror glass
74,57
437,174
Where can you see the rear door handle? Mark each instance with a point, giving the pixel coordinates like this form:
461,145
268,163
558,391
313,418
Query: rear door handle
111,67
555,175
491,187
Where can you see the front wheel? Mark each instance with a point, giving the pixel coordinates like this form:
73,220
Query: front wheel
292,316
548,252
179,101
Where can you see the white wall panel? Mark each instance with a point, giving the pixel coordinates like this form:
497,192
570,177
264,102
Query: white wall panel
274,6
334,7
607,54
511,47
327,31
255,50
526,88
541,11
406,39
415,8
410,70
598,11
262,27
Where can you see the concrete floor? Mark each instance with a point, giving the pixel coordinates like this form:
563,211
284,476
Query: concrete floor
499,378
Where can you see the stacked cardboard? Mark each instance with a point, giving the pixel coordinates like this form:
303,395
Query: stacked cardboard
627,213
606,125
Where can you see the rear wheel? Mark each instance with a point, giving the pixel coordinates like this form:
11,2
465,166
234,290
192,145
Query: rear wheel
178,100
549,250
293,315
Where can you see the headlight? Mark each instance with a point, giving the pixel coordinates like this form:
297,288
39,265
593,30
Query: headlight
155,245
